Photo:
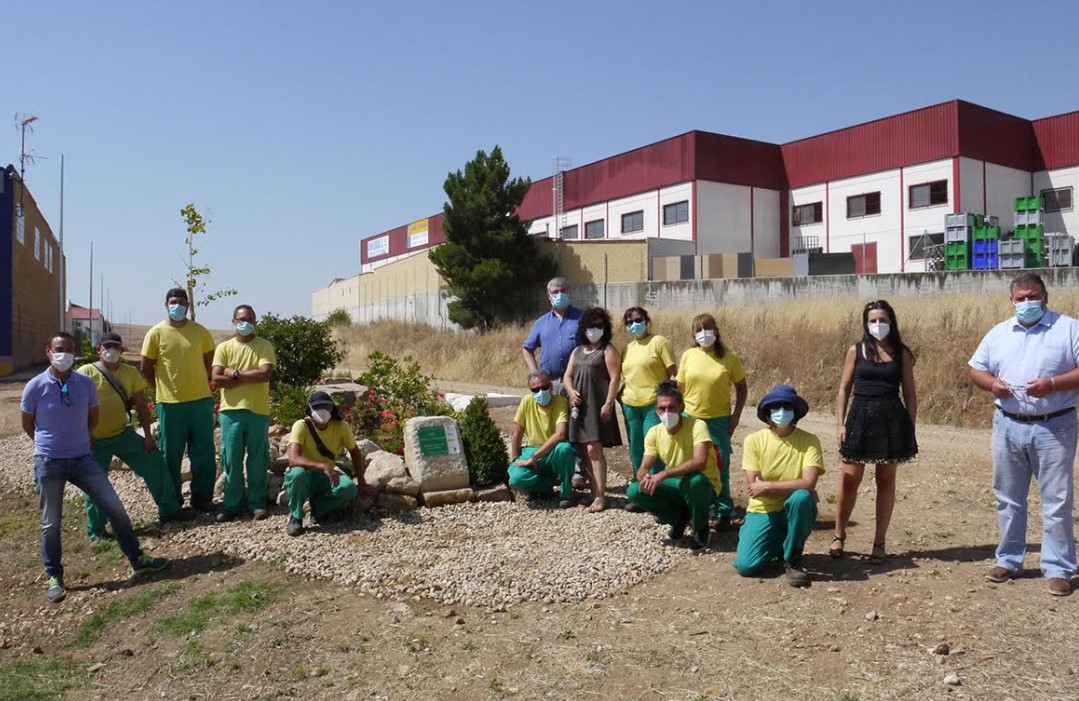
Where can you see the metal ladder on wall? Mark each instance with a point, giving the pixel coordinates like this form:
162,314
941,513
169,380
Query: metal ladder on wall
559,166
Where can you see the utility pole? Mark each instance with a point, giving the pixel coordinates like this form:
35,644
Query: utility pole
90,310
62,282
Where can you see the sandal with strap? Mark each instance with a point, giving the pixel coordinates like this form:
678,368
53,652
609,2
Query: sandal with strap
874,558
834,552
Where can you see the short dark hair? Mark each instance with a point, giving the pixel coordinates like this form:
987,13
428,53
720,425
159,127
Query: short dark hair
1027,280
636,310
176,292
248,307
60,334
669,389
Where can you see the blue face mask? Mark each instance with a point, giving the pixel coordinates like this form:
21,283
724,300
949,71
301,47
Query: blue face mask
177,312
560,300
781,416
543,397
1029,312
245,328
637,328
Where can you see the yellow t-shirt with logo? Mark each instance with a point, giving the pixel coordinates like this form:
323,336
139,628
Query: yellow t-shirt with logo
112,417
644,366
337,436
779,460
677,449
540,422
707,381
179,369
253,396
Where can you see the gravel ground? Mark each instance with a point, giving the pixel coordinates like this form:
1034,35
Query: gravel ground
488,555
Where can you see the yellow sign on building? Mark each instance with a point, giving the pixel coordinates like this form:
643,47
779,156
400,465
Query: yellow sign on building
417,233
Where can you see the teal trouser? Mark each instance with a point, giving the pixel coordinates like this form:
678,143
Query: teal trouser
638,420
189,425
780,534
244,431
303,485
676,495
720,430
131,448
555,466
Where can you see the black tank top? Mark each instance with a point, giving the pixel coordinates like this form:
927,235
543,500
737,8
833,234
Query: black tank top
876,379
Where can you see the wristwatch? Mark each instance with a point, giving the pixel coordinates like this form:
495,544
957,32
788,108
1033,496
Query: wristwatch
235,374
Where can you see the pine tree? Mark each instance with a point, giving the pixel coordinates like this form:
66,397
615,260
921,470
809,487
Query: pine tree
488,459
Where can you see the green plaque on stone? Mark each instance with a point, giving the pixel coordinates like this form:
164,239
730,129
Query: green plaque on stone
433,440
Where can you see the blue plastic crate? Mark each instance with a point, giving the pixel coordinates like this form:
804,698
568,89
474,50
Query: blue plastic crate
986,247
985,261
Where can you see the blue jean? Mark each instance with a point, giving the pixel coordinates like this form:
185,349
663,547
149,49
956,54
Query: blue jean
1043,450
51,475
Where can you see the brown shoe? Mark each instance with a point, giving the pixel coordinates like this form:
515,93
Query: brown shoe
1059,586
1000,575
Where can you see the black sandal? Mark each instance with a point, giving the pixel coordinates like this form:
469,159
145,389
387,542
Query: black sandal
878,559
836,553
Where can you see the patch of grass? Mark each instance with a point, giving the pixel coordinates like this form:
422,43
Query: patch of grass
847,696
250,596
46,680
470,646
140,602
194,655
246,597
496,686
416,642
18,525
592,657
192,619
298,672
567,635
344,647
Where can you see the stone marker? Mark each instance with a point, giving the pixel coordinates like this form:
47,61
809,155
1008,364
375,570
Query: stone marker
448,496
433,453
498,493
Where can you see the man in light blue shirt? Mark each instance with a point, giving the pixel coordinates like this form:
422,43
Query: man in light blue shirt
554,333
59,409
1029,363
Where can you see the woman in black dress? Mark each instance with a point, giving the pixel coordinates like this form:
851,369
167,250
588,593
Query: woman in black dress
878,427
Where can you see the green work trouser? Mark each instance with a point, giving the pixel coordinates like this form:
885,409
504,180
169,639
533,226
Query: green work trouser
189,425
765,537
675,496
314,485
719,429
150,466
244,431
555,466
639,419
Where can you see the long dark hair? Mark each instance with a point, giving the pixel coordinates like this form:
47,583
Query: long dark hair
893,337
702,321
594,316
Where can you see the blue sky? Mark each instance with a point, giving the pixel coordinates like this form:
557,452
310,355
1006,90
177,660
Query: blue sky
300,128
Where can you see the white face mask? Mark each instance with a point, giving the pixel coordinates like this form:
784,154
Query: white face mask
670,420
879,330
62,362
705,337
593,335
322,416
111,355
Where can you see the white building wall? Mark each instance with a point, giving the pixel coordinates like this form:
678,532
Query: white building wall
647,203
671,195
925,219
651,203
972,180
881,229
766,218
808,195
724,222
1065,221
1002,186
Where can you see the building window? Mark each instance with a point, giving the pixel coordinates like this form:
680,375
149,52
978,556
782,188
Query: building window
812,213
569,232
1057,200
633,221
929,194
675,213
593,229
37,243
922,246
863,205
20,228
48,257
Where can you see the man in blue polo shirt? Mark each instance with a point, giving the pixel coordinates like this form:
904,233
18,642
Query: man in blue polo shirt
554,333
59,409
1029,363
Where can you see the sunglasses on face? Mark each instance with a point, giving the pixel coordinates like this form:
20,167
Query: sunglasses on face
634,321
783,405
65,395
542,388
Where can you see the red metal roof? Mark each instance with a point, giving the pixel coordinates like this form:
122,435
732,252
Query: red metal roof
1057,140
79,313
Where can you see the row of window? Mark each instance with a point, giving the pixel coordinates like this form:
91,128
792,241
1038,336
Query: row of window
921,196
40,247
632,222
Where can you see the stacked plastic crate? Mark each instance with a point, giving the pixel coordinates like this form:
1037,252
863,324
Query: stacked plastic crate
957,238
1059,250
985,244
1029,230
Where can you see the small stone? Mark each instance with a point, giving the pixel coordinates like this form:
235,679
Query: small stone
126,653
694,669
872,616
952,680
834,648
449,614
459,621
942,649
95,667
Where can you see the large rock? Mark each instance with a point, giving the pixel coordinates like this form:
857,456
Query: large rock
434,455
499,493
383,467
367,446
345,393
396,502
277,431
402,485
448,496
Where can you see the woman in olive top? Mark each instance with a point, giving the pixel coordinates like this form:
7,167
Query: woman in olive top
647,361
706,374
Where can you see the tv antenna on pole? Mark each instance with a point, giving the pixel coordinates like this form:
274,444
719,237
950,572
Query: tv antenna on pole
24,122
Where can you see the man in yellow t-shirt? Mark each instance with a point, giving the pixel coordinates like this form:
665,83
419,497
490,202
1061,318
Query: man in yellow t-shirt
782,464
314,445
680,493
242,367
120,387
176,355
541,456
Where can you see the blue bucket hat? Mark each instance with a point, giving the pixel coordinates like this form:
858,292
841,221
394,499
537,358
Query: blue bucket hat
782,394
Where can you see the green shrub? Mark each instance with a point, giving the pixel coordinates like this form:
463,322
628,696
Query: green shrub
488,460
397,391
305,348
288,403
339,317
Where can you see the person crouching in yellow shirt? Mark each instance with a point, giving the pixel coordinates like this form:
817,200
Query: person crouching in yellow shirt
546,457
120,387
681,491
782,464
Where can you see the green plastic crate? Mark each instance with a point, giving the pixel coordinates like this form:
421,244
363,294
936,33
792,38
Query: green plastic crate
957,248
1035,248
1029,232
1034,204
992,233
956,262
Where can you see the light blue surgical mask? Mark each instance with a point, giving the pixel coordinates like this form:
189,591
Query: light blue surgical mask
560,300
637,328
245,328
177,312
781,416
1029,312
543,397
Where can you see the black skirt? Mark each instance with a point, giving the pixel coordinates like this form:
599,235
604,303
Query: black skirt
879,430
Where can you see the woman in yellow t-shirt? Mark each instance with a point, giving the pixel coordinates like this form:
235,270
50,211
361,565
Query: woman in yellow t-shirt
647,361
706,374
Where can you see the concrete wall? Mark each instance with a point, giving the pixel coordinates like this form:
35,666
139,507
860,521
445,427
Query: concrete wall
342,293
